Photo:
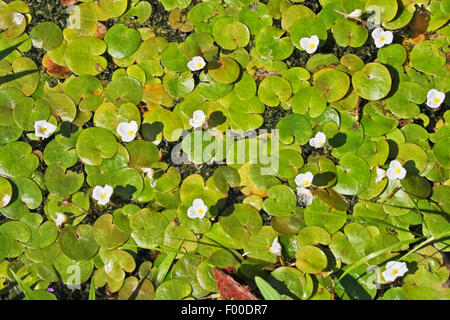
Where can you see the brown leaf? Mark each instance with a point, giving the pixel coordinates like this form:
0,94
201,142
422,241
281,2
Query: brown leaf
54,69
101,30
230,289
68,2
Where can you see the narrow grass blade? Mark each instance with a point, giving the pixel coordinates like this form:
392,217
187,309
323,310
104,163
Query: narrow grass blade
27,291
267,291
92,290
376,254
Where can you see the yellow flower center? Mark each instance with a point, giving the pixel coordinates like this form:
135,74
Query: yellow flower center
103,195
199,65
43,130
382,38
320,143
437,100
306,183
395,271
398,170
312,45
130,133
200,211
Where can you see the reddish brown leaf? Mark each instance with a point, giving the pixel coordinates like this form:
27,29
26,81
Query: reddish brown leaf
101,30
54,69
230,289
68,2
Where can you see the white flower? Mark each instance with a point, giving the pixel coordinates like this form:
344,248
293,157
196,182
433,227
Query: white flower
318,141
310,44
396,170
275,248
17,18
102,194
355,14
127,130
380,175
382,37
196,63
197,210
304,180
198,119
60,218
435,98
43,129
394,269
304,196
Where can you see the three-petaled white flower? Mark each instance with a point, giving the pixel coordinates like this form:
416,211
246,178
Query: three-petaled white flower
380,175
43,129
304,196
275,248
382,37
198,119
304,180
318,141
435,98
355,14
197,210
310,44
394,269
196,63
60,218
127,130
102,194
396,170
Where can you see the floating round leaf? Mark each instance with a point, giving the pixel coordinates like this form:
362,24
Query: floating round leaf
95,144
106,234
405,100
281,201
62,182
174,289
348,33
83,55
230,34
5,192
294,126
441,152
113,8
273,90
225,70
62,106
46,35
78,243
373,82
270,43
123,90
311,259
385,10
333,84
353,175
426,57
309,100
122,41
